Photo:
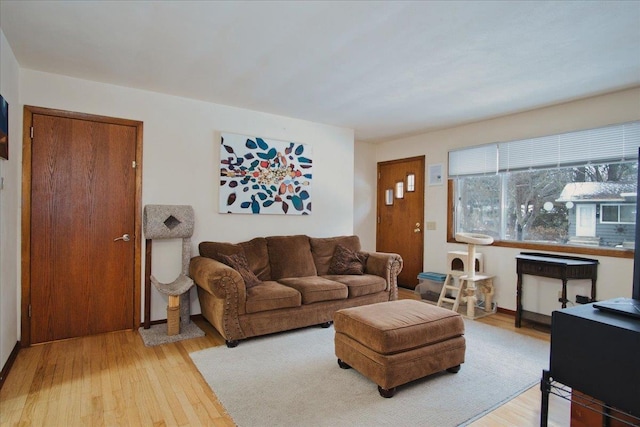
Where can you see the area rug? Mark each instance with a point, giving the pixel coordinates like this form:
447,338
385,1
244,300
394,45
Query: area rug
157,334
293,379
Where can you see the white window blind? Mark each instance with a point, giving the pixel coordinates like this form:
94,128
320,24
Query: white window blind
481,159
607,144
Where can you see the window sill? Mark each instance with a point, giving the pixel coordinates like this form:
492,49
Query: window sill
581,250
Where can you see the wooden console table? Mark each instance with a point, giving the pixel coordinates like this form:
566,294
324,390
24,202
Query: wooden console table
556,267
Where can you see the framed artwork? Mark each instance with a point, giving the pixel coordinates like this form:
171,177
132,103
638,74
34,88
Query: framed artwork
264,176
4,128
435,174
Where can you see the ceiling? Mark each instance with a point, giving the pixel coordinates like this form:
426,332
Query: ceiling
384,69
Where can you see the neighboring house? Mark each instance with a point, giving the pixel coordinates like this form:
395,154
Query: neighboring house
601,213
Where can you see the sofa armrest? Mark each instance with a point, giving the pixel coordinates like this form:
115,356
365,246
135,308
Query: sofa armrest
388,266
213,276
224,295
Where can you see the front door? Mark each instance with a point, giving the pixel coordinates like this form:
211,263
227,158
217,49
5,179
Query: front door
401,213
586,219
82,227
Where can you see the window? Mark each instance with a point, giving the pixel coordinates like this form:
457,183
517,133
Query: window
618,214
549,190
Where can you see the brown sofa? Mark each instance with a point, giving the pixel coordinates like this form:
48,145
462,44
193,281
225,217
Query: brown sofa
280,283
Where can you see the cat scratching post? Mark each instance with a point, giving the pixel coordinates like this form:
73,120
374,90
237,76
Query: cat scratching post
470,278
170,222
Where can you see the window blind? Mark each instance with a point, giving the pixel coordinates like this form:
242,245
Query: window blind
478,160
612,143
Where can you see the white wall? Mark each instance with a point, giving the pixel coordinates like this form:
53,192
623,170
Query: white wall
181,162
364,193
10,206
540,295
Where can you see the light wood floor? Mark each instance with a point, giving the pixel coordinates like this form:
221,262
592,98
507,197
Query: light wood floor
113,379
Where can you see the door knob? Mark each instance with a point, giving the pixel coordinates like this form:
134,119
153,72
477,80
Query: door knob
124,237
416,230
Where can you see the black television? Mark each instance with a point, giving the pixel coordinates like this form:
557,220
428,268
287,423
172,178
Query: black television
636,259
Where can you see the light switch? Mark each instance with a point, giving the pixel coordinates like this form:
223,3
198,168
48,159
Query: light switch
430,225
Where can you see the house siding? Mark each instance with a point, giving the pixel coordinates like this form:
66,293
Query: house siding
610,234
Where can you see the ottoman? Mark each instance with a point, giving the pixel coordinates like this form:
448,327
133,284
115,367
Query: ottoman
395,342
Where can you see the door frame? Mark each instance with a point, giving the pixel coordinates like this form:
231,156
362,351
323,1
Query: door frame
29,111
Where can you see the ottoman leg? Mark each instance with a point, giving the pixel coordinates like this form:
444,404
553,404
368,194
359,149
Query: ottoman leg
386,393
343,365
454,369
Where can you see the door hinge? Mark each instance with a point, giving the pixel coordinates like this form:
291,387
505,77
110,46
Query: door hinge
29,311
134,164
31,132
378,172
378,220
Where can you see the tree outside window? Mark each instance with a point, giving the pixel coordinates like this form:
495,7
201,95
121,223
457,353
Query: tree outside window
531,205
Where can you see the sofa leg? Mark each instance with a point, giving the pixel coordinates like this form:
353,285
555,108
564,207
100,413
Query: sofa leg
454,369
343,365
386,393
231,343
325,324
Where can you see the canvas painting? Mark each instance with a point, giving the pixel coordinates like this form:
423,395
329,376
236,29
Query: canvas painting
264,176
4,128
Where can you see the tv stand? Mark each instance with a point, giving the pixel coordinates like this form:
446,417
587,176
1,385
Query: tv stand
595,353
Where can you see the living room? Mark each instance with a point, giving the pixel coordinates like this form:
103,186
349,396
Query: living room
180,166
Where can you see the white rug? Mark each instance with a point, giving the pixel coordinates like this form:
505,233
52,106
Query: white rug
293,379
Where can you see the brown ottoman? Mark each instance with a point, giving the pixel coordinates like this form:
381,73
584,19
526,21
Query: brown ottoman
395,342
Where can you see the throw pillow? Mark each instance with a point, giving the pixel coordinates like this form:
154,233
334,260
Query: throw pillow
238,262
322,249
346,261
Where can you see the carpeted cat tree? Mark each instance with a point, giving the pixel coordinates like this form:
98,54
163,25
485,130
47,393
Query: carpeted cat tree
170,222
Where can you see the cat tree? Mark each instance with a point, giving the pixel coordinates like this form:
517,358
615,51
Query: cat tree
465,287
170,222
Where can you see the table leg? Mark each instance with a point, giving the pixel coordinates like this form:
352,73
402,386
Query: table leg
564,293
519,301
545,387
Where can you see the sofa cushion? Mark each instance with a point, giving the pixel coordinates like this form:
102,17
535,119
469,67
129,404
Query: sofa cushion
346,261
360,285
238,261
271,296
323,248
290,256
316,289
255,250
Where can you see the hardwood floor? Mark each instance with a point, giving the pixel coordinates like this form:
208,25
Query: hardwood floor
113,379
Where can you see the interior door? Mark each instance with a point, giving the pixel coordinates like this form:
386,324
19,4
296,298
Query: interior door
400,209
82,227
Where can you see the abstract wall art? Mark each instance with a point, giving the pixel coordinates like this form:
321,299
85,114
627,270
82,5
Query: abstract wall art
264,176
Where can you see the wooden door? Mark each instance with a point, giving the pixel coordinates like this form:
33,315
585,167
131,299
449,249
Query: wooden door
399,228
83,200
